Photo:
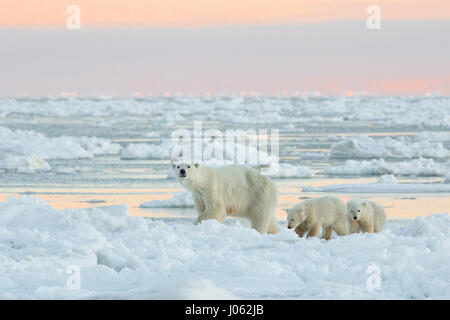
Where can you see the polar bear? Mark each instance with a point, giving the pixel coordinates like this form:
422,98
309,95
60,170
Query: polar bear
365,216
310,215
233,190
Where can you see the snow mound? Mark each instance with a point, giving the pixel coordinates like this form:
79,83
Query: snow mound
25,164
415,167
147,151
202,289
30,143
287,170
366,147
387,179
447,178
120,256
179,200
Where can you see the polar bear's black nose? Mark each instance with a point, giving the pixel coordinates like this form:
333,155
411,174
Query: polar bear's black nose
355,218
182,171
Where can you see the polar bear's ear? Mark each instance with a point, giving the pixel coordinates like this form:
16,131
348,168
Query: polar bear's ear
196,165
364,204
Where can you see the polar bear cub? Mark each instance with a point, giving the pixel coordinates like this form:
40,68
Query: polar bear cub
365,216
310,215
233,190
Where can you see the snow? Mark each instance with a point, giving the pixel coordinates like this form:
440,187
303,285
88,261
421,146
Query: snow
34,144
416,167
387,179
432,136
147,151
179,200
214,153
23,164
287,170
366,147
120,256
415,111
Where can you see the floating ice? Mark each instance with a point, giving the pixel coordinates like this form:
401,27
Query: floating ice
179,200
382,188
366,147
415,167
147,151
25,164
30,143
387,179
429,112
287,170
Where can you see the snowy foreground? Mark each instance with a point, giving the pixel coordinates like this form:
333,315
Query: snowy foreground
121,256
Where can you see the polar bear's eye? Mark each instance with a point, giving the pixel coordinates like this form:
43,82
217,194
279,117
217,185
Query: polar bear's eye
359,210
178,167
189,167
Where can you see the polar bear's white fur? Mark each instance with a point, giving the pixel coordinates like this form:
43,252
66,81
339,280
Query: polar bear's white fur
233,190
365,216
311,215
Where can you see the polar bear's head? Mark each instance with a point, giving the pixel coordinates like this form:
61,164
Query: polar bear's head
184,172
295,216
355,209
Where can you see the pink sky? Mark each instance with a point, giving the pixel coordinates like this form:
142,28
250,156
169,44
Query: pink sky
224,46
195,13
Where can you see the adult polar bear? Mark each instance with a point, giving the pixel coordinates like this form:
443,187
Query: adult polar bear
234,190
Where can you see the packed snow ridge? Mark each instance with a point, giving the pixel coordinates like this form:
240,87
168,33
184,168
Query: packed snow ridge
366,147
33,144
179,200
120,256
416,167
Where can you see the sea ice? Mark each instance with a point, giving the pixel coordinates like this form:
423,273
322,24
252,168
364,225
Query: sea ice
416,167
124,257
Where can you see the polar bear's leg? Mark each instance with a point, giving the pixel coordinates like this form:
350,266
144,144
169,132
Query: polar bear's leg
199,204
302,228
273,226
366,226
378,226
353,226
215,211
259,221
314,231
380,220
327,233
340,227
